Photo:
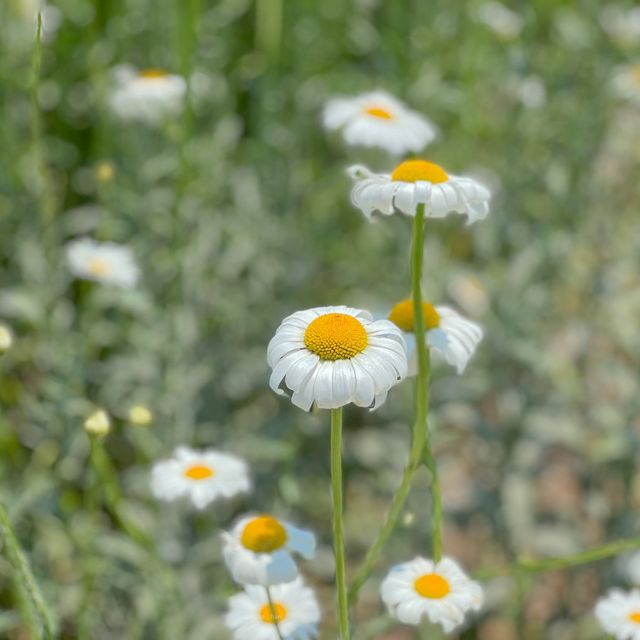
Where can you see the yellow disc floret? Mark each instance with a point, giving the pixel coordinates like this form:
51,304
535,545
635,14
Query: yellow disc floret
635,617
419,171
98,267
379,112
336,336
273,614
264,534
153,74
199,472
432,586
402,315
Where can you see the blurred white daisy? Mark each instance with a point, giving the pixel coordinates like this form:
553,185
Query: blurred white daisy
201,475
98,423
151,95
103,262
294,608
501,20
621,24
258,550
332,356
619,614
6,337
447,332
626,82
377,119
415,182
441,592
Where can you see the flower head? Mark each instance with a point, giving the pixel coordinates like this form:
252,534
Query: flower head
202,476
619,614
258,550
447,332
504,22
150,96
439,591
140,415
98,423
295,610
626,83
416,182
104,262
6,337
332,356
377,119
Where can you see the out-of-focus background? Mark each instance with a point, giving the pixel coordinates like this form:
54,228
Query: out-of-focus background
238,214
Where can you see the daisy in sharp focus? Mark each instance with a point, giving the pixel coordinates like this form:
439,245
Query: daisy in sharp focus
202,476
377,119
294,608
447,332
258,550
103,262
619,614
151,95
440,592
416,182
331,356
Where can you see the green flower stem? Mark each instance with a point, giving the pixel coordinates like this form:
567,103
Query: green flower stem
24,575
268,30
422,385
530,565
419,440
274,614
338,522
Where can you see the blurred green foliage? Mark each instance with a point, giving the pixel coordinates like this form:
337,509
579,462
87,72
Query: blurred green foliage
239,214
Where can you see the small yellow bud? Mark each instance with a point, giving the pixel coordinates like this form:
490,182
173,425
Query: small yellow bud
140,415
105,171
98,423
6,338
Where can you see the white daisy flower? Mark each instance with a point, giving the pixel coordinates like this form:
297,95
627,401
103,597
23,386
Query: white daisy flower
440,591
150,96
332,356
626,83
201,475
377,119
103,262
415,182
501,20
294,609
621,24
258,550
6,337
619,614
447,332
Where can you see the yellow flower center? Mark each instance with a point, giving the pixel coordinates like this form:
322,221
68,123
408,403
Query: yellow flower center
635,617
264,534
336,336
402,315
273,615
379,112
432,586
98,267
199,472
153,74
419,171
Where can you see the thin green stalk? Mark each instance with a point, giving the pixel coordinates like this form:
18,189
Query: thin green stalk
422,385
419,441
530,565
338,522
24,575
268,30
274,615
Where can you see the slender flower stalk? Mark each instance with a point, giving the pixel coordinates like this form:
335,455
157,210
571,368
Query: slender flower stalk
338,522
274,614
420,449
529,565
24,575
